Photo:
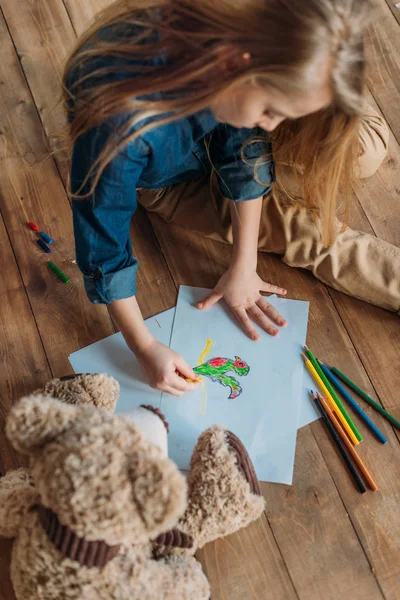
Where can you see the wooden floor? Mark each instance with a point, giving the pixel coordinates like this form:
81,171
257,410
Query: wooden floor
318,539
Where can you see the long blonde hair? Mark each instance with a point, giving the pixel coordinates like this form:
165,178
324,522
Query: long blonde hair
282,37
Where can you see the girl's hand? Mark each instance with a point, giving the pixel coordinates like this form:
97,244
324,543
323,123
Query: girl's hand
240,289
165,369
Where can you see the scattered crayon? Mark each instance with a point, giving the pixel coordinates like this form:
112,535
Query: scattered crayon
43,246
58,271
46,237
33,226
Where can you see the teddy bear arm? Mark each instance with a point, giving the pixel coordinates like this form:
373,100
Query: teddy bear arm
17,495
224,493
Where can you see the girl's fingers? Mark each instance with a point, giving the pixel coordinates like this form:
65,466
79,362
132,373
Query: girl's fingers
243,318
273,289
262,320
209,300
180,384
170,390
271,312
184,369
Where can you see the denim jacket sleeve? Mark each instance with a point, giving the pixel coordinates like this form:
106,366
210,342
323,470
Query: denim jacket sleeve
102,220
237,177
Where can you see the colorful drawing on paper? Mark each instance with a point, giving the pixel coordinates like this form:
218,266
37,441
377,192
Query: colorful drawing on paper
217,369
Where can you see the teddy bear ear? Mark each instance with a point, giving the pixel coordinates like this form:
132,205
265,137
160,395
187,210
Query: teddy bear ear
36,420
96,389
159,489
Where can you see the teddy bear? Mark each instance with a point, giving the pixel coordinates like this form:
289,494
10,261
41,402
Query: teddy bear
102,513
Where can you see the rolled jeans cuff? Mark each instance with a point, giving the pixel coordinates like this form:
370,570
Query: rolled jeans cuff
105,288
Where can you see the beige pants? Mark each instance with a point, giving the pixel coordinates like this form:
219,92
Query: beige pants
357,264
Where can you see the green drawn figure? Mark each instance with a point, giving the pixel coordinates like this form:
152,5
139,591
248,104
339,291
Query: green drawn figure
217,368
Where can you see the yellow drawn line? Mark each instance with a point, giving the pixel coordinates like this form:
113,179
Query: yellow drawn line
206,351
202,358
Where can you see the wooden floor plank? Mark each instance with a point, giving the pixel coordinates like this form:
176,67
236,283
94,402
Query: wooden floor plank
309,521
383,47
247,565
31,189
156,289
395,9
23,364
375,516
83,13
376,337
43,37
6,587
379,195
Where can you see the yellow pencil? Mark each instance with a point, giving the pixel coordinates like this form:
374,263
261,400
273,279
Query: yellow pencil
310,368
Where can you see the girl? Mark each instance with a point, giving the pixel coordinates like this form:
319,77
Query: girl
180,103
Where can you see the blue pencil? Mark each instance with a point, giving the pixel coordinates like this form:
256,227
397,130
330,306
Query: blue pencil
352,402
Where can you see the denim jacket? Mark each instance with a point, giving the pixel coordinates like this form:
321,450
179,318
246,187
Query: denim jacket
164,156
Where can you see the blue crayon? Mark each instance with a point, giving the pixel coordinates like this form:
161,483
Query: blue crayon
352,403
46,237
44,246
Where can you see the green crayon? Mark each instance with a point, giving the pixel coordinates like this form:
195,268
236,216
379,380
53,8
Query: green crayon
58,271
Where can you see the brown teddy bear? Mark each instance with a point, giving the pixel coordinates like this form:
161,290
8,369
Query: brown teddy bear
102,513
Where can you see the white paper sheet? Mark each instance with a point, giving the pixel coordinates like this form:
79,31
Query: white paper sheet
112,356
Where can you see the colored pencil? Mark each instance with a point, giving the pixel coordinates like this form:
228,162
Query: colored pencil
340,445
367,398
356,457
332,393
352,403
328,397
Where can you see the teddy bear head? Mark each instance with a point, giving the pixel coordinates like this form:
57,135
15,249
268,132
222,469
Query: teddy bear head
96,471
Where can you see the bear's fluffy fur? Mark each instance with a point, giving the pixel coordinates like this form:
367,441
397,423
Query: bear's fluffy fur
108,482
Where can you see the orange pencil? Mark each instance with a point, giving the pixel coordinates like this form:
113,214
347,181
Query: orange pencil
336,423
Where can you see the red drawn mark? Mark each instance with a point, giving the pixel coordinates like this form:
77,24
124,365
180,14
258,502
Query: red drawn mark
240,364
218,362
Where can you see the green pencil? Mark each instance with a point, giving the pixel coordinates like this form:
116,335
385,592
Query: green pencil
333,393
367,398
